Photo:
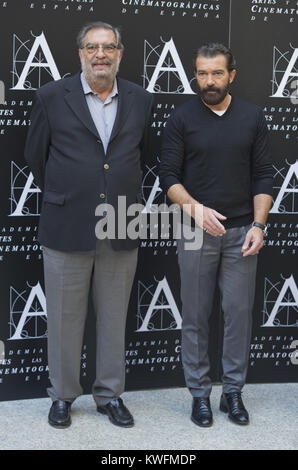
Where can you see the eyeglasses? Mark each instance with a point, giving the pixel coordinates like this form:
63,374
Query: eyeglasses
106,48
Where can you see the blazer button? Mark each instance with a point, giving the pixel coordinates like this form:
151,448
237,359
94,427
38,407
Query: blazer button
102,196
106,166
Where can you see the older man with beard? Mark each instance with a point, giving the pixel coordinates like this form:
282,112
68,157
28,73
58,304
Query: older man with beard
216,165
84,147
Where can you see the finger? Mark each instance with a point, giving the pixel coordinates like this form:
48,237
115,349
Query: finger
253,249
251,241
217,226
211,232
219,216
247,242
245,245
210,228
214,229
250,252
212,224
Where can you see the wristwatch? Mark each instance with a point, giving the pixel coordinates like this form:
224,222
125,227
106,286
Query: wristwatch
261,226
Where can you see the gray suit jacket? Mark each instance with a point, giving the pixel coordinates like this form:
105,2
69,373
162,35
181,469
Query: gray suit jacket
66,156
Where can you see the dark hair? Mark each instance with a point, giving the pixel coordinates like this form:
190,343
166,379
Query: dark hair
213,49
97,25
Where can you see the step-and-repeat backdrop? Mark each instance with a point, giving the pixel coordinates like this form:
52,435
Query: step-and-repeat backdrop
37,44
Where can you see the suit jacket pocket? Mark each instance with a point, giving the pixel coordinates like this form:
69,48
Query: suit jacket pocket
54,198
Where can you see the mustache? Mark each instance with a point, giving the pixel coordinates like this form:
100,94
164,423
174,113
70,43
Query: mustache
101,62
211,88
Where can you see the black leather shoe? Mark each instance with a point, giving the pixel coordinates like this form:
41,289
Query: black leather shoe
232,404
201,412
59,415
118,413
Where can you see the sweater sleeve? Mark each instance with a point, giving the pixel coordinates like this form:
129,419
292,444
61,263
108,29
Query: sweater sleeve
172,154
262,171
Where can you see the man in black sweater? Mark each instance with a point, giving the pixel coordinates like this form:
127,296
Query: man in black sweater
216,165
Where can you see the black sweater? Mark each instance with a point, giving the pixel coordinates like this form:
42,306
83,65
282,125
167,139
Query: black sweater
222,161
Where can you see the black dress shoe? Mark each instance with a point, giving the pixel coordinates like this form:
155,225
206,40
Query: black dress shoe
232,404
201,412
59,415
118,413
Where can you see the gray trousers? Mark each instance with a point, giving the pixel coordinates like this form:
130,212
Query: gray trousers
198,270
69,276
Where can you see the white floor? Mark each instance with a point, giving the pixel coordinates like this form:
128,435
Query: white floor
162,422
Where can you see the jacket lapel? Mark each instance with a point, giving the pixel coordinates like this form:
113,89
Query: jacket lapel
125,100
76,100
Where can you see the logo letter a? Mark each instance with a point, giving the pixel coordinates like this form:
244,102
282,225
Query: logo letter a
170,48
40,41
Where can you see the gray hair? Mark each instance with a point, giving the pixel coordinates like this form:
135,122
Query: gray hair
98,25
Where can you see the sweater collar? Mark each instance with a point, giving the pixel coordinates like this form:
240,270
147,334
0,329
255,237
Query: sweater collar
212,113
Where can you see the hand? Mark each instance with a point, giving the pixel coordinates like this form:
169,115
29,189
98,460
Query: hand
253,241
208,220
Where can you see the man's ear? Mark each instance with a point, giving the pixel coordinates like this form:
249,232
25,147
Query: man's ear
232,75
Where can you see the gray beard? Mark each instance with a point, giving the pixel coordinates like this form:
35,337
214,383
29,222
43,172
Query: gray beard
99,83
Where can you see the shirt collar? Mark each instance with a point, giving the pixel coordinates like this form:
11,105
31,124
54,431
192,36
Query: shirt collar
87,90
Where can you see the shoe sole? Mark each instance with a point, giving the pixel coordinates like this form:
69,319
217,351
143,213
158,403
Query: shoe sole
224,409
104,412
59,426
200,424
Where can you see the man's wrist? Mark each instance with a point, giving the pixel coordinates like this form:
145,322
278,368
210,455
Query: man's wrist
195,207
260,226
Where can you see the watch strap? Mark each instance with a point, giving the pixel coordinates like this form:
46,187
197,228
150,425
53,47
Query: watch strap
261,226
